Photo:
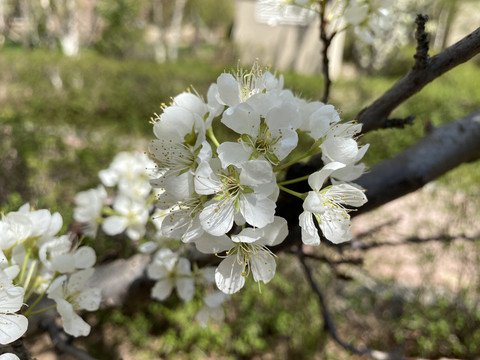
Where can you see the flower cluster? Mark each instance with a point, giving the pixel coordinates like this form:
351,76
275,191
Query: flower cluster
222,196
129,211
35,259
370,19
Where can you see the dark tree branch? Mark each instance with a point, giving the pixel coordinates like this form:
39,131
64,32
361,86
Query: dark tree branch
18,348
440,151
410,240
61,341
326,41
330,324
375,115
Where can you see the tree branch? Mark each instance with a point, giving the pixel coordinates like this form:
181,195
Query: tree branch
330,324
61,341
375,115
325,41
440,151
421,57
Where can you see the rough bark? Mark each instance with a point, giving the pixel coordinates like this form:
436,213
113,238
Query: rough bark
440,151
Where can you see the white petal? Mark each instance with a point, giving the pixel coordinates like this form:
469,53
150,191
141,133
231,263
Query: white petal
157,271
108,177
9,356
320,120
55,291
89,299
215,299
85,257
40,220
135,231
317,179
191,102
114,225
176,223
248,235
78,280
63,263
309,231
147,247
233,153
242,119
340,149
206,182
275,232
209,244
314,203
228,276
12,326
11,298
217,218
256,172
228,89
263,266
162,289
346,194
72,323
349,173
335,225
257,211
185,288
282,117
184,267
288,141
201,317
174,123
166,257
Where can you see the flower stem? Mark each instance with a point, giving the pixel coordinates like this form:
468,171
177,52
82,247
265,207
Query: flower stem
24,265
294,193
31,270
28,313
293,181
212,137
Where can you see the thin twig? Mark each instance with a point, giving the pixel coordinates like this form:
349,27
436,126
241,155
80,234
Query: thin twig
421,56
376,114
330,324
326,41
412,240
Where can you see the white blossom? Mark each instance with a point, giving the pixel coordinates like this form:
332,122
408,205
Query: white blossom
243,190
212,308
58,255
327,205
12,325
246,252
88,209
171,271
131,217
72,294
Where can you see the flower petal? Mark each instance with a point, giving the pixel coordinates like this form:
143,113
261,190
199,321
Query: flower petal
228,276
185,288
162,289
309,231
12,327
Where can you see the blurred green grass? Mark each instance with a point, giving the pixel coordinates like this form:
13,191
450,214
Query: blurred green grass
55,138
